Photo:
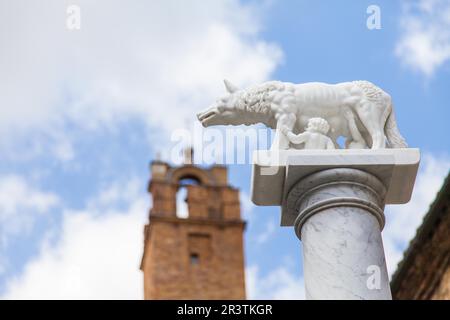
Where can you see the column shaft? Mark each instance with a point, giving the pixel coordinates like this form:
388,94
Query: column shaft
340,218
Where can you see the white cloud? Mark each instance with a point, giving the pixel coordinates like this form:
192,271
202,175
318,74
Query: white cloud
63,149
254,219
268,232
247,205
157,61
96,257
279,284
403,220
20,204
182,206
424,44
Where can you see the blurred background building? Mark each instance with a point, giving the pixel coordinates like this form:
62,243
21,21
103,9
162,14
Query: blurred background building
193,244
424,272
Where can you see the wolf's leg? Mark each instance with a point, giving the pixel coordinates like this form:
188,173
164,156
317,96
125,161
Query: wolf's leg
280,141
371,116
356,140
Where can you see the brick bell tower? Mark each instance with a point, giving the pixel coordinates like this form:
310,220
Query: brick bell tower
199,255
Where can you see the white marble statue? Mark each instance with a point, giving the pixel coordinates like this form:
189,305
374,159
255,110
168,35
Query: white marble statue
356,141
314,137
357,110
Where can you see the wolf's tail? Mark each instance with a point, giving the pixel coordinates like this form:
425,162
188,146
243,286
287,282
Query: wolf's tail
393,135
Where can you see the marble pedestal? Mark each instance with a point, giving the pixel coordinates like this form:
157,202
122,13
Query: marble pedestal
335,199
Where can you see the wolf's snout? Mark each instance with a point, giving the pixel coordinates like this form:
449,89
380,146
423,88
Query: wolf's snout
207,113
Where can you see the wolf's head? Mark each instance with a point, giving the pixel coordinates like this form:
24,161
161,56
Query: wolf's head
223,111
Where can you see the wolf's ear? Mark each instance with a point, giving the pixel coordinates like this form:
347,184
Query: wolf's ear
231,88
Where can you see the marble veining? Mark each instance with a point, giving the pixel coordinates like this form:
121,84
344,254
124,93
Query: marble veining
339,221
339,246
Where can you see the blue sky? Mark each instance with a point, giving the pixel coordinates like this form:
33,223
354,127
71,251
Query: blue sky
82,112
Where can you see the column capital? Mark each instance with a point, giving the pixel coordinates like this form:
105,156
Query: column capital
333,188
276,173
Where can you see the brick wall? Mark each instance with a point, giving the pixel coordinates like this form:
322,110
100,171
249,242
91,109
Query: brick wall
200,257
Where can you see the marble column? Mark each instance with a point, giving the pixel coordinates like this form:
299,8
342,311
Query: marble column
334,200
339,221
